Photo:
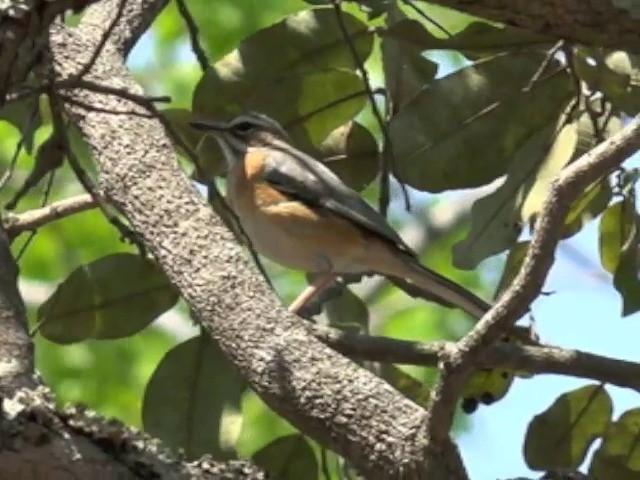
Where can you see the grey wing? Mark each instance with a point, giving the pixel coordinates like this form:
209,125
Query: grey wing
310,181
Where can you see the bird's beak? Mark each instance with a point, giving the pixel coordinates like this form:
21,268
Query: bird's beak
210,125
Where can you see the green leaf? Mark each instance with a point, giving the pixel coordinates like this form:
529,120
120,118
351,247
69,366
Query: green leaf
290,70
616,225
351,152
465,129
588,206
192,401
560,436
325,99
625,278
619,455
24,114
406,70
497,219
347,312
512,266
113,297
475,37
288,458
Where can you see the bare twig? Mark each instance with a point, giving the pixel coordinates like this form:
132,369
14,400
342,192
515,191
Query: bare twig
192,27
544,64
16,153
14,224
429,19
386,157
509,356
455,363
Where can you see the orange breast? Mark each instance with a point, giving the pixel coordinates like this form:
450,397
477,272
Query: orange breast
286,230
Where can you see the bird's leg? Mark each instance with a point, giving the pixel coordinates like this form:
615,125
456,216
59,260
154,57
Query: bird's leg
311,291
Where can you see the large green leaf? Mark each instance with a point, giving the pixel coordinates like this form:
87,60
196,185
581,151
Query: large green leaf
616,225
497,219
288,458
619,455
406,70
289,70
465,129
560,436
113,297
477,36
192,401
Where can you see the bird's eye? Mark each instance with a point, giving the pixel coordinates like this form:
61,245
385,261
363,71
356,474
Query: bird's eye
243,127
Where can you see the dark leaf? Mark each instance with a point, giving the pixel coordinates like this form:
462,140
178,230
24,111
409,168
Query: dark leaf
475,37
560,436
113,297
347,312
351,152
288,458
497,219
406,70
619,455
465,129
289,70
192,401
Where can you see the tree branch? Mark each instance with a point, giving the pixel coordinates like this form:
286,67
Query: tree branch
456,362
324,394
36,218
509,356
602,23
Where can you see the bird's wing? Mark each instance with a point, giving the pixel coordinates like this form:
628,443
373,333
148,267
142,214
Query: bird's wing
311,182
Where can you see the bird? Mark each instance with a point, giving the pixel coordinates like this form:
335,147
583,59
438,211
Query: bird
300,214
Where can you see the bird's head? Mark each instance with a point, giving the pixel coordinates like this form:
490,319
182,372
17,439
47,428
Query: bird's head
251,129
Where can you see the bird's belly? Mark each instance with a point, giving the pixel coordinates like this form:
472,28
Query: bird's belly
297,237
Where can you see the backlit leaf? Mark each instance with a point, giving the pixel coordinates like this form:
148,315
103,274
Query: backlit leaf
192,401
560,436
113,297
288,458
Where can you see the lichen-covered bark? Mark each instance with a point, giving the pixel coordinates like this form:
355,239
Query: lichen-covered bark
594,22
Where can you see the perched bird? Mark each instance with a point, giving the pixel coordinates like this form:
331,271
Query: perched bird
299,214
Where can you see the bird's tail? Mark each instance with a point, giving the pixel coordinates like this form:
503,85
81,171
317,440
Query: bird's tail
420,281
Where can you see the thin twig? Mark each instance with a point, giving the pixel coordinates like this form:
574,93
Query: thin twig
192,28
386,161
16,153
15,224
426,17
45,199
456,362
544,64
331,104
85,181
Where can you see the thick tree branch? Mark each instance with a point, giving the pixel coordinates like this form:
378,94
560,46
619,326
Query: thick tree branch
508,356
599,23
456,362
16,347
23,35
327,396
